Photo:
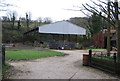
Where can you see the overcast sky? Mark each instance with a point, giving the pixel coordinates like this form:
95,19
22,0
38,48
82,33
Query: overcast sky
55,9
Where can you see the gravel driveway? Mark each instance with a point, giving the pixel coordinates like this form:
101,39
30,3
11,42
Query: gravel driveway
58,67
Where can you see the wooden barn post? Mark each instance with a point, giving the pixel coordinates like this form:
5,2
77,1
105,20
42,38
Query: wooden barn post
63,37
69,37
76,39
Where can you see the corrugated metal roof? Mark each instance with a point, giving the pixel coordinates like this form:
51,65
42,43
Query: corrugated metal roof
62,27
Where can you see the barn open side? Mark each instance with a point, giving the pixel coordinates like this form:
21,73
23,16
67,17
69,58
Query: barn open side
62,30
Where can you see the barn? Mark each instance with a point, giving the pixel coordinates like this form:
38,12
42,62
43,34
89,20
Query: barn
57,35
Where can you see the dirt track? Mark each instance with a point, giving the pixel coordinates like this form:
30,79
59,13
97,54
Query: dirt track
58,67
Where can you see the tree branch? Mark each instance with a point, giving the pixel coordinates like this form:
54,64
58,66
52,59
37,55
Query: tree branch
97,13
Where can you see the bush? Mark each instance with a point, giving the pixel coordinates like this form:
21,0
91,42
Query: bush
12,36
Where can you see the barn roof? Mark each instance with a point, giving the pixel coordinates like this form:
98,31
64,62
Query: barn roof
62,27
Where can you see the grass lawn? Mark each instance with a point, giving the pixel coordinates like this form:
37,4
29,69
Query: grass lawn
29,54
92,48
105,57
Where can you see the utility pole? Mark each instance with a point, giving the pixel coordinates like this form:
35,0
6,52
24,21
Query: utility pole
108,30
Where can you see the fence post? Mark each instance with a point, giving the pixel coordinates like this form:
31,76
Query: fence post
114,57
3,54
90,57
101,55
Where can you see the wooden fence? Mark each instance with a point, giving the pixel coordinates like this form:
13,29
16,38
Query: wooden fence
104,62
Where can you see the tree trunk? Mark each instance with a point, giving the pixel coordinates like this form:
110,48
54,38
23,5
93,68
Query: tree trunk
118,28
0,50
27,22
108,30
19,24
27,25
117,24
13,22
118,39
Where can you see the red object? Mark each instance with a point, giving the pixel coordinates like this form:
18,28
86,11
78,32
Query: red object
13,45
85,60
113,31
99,39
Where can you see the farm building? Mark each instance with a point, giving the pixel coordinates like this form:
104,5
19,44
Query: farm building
57,35
100,39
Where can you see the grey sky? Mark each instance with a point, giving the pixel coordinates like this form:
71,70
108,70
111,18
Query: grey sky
54,9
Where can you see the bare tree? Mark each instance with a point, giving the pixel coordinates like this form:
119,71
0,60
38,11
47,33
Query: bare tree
110,11
47,20
117,24
101,9
28,19
39,20
108,29
5,18
12,15
19,24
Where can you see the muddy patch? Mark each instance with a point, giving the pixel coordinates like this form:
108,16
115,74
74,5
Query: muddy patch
12,71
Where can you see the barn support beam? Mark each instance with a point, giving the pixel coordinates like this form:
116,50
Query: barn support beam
76,39
69,37
38,37
63,37
34,36
53,36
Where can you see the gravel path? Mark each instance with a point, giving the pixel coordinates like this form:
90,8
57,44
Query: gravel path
58,67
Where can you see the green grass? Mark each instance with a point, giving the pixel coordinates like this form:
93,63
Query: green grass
105,57
92,48
29,54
